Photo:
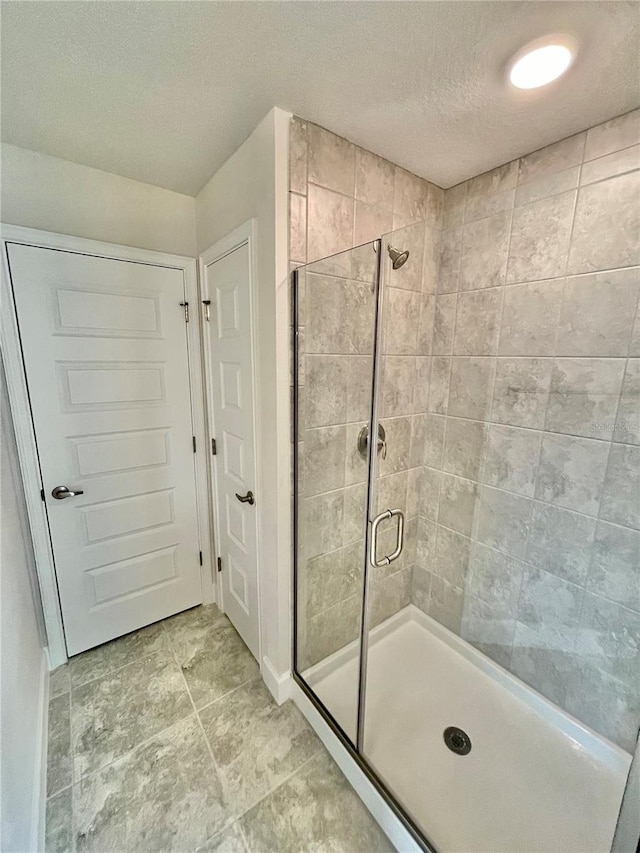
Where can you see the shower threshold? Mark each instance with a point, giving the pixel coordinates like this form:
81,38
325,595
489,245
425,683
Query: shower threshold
535,779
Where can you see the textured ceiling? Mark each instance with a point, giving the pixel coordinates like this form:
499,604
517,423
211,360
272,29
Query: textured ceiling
164,92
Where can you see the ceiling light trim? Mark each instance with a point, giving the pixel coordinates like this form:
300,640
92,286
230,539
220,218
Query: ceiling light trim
562,40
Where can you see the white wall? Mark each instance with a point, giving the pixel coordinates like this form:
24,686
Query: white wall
253,184
23,663
45,192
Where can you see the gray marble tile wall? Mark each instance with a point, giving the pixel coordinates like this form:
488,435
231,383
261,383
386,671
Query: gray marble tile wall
510,384
529,523
341,197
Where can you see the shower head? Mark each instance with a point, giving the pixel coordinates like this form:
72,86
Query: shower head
398,257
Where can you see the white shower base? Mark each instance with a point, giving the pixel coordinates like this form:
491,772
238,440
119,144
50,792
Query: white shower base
535,780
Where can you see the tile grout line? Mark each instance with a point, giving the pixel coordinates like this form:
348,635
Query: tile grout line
453,335
124,755
236,820
110,672
219,774
82,777
287,778
194,713
166,728
73,766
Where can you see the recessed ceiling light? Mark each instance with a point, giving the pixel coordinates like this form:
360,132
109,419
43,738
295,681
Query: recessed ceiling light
540,62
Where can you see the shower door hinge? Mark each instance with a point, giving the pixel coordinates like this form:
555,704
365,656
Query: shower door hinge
185,305
200,557
214,448
219,564
193,439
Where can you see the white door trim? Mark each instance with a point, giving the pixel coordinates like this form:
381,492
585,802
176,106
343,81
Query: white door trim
244,234
25,435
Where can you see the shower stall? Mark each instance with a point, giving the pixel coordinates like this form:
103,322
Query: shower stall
446,619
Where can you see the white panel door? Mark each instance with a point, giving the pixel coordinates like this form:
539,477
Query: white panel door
228,285
105,350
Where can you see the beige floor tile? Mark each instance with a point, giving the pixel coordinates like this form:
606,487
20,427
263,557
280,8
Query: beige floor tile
111,656
113,714
256,743
315,810
213,658
165,795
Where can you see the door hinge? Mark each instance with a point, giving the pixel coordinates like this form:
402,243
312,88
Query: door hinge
185,305
193,439
207,304
219,564
200,557
42,494
214,447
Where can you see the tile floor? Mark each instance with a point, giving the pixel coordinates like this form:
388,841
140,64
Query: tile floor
167,740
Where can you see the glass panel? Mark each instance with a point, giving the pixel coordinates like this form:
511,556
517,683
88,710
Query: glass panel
336,317
501,652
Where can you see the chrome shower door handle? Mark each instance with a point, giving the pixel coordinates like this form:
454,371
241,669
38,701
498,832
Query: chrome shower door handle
385,561
400,542
373,540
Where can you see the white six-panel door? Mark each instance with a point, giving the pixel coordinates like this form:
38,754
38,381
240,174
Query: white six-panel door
105,350
227,284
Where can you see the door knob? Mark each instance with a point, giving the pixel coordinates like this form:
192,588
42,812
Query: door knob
246,499
62,492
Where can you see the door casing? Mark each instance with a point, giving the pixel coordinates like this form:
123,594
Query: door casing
25,434
245,234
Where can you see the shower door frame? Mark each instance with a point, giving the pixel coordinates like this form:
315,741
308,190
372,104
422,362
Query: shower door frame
354,750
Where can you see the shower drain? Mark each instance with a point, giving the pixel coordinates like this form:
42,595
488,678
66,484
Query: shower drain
457,740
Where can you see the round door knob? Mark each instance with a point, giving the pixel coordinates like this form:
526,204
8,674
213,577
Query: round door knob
62,492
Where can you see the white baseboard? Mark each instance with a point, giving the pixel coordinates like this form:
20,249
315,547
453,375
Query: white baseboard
39,796
279,684
364,788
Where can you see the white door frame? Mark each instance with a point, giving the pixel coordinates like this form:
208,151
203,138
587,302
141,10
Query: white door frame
244,234
25,434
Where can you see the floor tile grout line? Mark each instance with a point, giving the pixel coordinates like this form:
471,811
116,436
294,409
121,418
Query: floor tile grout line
177,663
287,778
77,778
242,814
116,669
234,818
82,777
73,766
219,775
257,677
222,696
58,791
126,754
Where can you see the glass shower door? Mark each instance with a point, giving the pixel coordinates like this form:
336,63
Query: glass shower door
391,724
439,623
488,656
335,309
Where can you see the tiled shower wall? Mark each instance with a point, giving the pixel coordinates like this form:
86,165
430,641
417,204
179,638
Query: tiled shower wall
529,542
512,424
342,196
